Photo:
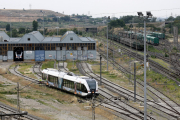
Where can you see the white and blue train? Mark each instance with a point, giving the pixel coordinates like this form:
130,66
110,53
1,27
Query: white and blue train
80,85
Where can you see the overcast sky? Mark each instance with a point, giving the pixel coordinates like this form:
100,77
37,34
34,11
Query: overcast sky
99,8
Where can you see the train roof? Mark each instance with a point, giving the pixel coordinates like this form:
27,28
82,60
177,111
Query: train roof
67,75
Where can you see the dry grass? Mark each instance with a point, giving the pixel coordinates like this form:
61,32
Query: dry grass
3,71
106,114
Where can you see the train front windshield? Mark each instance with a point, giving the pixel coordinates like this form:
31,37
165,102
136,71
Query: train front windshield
18,52
92,84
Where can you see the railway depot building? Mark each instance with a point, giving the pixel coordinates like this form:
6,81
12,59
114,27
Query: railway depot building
35,47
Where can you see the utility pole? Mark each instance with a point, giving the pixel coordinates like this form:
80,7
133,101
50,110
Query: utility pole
18,104
113,57
107,47
100,70
130,72
134,82
107,42
145,105
149,15
43,21
10,26
93,108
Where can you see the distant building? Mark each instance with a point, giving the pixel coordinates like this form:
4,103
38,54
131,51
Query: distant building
35,47
91,29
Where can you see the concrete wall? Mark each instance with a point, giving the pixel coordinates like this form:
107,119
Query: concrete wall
10,55
92,54
50,55
71,54
29,55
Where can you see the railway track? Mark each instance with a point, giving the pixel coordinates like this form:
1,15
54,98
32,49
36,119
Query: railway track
169,73
37,69
165,108
166,100
118,105
10,110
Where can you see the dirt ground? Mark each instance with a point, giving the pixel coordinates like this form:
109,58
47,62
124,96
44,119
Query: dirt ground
47,103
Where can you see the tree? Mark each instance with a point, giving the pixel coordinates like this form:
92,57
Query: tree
117,23
153,19
8,27
35,25
14,33
171,18
21,30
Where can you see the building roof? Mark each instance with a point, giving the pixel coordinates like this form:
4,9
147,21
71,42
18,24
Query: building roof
4,35
37,37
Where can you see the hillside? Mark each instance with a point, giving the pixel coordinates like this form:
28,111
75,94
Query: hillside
19,15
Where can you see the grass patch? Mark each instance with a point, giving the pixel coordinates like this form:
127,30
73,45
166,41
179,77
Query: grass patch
29,97
161,62
152,49
42,102
48,64
33,109
60,101
2,85
7,92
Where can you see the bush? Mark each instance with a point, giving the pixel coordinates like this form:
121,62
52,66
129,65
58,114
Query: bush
166,55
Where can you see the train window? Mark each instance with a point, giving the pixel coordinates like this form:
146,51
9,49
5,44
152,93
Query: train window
81,87
69,84
29,39
52,79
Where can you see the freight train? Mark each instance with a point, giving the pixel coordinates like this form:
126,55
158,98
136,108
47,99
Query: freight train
79,85
127,42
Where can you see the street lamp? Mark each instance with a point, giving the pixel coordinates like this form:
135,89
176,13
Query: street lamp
144,18
107,41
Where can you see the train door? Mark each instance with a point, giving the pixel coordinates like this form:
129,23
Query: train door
60,81
63,53
75,88
39,54
84,53
79,53
18,54
59,53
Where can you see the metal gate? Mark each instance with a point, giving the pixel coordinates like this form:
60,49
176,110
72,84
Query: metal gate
39,55
84,53
61,55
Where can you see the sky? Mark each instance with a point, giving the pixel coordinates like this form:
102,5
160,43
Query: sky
99,8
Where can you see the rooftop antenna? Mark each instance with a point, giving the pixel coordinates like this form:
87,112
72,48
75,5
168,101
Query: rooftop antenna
30,6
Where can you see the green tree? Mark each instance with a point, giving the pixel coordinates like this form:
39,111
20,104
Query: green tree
21,30
171,18
117,23
14,33
8,27
35,25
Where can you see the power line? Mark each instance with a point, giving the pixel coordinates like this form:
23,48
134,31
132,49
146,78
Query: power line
137,11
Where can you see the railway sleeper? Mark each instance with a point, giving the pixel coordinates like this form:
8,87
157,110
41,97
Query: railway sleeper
120,97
